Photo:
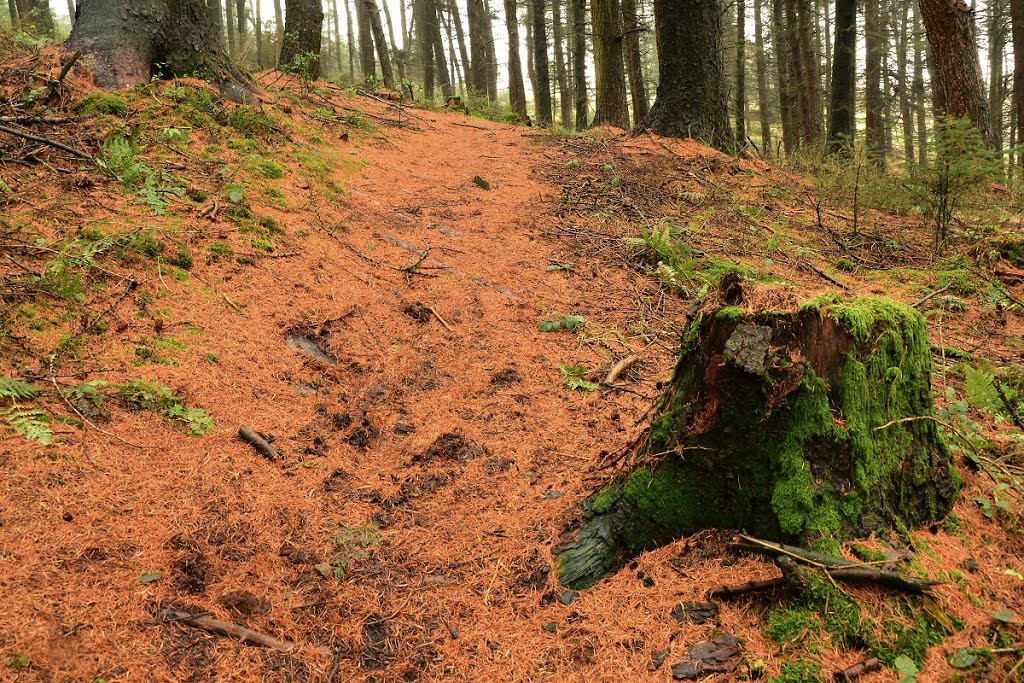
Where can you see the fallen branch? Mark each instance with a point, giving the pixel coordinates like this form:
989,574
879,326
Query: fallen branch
859,669
48,120
931,296
45,141
440,319
825,276
55,85
229,630
251,436
620,368
835,567
744,588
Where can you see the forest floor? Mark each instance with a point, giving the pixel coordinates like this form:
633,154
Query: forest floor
369,290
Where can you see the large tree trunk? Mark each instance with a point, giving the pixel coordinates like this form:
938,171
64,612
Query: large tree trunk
542,96
634,61
874,123
422,10
561,75
903,55
740,113
367,59
35,17
764,112
996,95
490,55
809,427
12,10
606,20
919,101
278,21
951,35
810,83
303,33
842,112
373,14
477,46
517,88
788,105
443,75
124,41
229,25
692,98
460,35
579,62
1017,24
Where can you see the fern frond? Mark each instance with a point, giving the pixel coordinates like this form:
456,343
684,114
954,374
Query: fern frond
16,389
32,423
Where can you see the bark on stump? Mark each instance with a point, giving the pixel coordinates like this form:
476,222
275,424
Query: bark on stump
784,425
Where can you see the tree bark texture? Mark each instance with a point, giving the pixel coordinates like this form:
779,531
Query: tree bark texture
612,108
579,60
517,88
542,95
842,110
634,61
303,32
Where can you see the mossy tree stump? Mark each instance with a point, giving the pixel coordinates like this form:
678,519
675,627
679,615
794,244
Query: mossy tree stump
784,425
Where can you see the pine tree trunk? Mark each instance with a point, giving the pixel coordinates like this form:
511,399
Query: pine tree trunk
478,52
337,34
35,17
634,61
229,24
373,14
826,46
422,10
919,100
842,110
951,35
788,104
531,68
240,13
996,95
813,125
490,55
517,89
764,112
741,73
453,61
12,10
406,35
399,57
460,35
123,40
790,426
278,22
561,75
367,59
213,7
71,12
902,57
612,108
1017,33
303,26
540,59
443,75
257,31
579,58
874,123
692,96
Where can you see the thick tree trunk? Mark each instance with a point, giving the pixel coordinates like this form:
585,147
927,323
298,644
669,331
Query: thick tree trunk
807,427
692,96
788,104
951,35
337,34
542,96
229,25
490,55
874,122
517,89
443,76
35,16
303,33
279,21
842,110
477,47
561,75
531,69
1017,26
367,58
764,111
460,35
373,14
612,109
579,62
634,61
996,95
740,113
422,10
124,40
12,10
919,102
216,15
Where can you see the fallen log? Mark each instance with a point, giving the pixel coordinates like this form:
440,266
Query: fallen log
251,436
229,630
859,669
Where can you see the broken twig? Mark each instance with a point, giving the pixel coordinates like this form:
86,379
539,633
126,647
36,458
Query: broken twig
227,629
859,669
620,367
45,141
251,436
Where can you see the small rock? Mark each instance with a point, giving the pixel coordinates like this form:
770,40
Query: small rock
695,612
67,517
550,495
568,597
244,603
720,655
971,565
657,659
551,627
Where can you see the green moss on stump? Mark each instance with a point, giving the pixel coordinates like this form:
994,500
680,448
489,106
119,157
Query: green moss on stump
779,428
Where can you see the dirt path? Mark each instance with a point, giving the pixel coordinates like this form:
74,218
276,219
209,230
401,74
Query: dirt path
429,456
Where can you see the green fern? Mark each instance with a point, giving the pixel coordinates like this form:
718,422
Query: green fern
16,389
32,423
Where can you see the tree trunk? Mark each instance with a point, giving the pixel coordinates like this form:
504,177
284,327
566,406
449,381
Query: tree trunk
517,89
12,9
477,47
612,108
461,37
874,122
257,31
35,17
692,96
542,96
919,103
741,73
367,58
634,61
240,13
373,15
579,62
764,112
303,33
216,15
842,110
124,40
398,54
71,12
902,58
229,24
806,427
996,95
951,35
811,84
788,104
561,76
337,34
825,47
1017,30
444,79
490,55
422,10
531,68
279,21
453,60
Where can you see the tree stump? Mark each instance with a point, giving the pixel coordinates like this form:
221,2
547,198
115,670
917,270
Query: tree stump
806,427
